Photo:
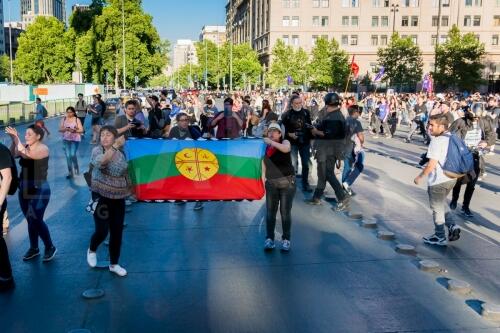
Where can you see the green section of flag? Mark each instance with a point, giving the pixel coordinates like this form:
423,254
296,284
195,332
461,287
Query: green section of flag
151,168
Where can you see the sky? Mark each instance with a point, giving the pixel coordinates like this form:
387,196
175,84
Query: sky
174,19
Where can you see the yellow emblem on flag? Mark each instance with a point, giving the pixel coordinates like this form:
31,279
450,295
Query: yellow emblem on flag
196,164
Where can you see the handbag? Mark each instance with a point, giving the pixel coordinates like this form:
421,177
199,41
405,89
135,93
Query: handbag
87,175
282,182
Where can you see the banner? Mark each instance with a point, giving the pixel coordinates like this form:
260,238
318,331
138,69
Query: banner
196,170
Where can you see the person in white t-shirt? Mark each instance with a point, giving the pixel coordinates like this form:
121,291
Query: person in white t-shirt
439,185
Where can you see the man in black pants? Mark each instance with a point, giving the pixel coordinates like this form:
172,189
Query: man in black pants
6,279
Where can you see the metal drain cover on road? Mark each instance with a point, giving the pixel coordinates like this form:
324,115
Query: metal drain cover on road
491,311
458,286
93,293
406,249
429,266
386,235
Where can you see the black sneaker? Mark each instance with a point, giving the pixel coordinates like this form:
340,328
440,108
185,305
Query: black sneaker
7,284
341,206
435,240
30,254
466,211
49,253
453,205
453,232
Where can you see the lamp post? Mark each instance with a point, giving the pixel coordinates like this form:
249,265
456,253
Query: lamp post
10,48
123,45
206,65
437,36
394,10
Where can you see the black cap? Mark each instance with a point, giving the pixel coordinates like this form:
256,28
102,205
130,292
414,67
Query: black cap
332,99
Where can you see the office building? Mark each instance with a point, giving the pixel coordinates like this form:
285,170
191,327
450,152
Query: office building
214,33
30,9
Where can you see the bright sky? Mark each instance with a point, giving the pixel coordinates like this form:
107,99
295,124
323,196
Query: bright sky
174,19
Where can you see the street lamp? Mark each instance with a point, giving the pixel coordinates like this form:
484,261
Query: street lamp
394,10
10,48
437,36
123,44
206,65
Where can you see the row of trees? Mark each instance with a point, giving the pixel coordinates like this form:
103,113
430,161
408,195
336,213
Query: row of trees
49,52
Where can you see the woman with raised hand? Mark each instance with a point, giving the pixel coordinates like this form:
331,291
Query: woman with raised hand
34,190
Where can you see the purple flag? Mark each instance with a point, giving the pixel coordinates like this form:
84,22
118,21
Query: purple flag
289,79
380,74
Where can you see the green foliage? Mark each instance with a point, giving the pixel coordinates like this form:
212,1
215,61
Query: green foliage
160,80
100,50
459,61
329,65
81,21
402,60
284,64
46,53
4,68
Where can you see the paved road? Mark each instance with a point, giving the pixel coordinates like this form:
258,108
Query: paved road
206,272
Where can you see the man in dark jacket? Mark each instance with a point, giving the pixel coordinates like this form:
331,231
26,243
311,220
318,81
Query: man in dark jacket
473,130
298,125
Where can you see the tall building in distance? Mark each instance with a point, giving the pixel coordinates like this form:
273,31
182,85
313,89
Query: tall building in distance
79,8
184,53
363,26
2,40
213,33
30,9
12,31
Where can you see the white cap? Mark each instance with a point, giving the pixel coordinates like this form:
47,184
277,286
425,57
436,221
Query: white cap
274,126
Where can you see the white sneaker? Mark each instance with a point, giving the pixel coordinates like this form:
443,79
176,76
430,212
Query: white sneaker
269,244
285,245
91,258
118,270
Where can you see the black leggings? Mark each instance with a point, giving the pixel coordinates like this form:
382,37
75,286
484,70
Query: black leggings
109,216
5,268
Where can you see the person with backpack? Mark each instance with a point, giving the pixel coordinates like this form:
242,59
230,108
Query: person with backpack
330,146
97,111
474,131
81,110
40,114
439,185
8,185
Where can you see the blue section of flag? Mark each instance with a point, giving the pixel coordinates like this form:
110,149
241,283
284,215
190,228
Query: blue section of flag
380,74
252,148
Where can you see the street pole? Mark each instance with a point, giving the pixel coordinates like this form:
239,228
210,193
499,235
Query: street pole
231,47
206,65
437,36
10,49
218,55
123,45
394,10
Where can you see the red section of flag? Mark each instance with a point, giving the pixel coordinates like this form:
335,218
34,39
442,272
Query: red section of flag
354,67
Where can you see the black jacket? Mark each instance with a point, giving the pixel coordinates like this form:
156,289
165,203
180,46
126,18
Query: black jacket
298,122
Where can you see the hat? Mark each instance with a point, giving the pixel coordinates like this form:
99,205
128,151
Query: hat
274,126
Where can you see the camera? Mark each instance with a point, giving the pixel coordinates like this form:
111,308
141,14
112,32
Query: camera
423,159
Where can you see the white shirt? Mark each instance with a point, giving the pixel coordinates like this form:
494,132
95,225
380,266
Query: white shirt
438,149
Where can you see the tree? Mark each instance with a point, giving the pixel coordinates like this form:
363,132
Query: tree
81,20
4,68
329,66
100,50
402,60
45,53
284,64
459,61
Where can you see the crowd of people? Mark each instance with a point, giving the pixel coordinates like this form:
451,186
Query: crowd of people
293,125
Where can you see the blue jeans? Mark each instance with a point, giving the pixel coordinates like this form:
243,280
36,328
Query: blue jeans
353,166
70,148
284,199
305,155
33,199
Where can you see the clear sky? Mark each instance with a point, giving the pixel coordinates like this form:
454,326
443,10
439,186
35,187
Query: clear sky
174,19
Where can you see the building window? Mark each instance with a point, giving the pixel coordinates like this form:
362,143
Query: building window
295,3
286,3
315,21
434,21
414,21
494,40
477,21
295,21
445,21
325,37
404,21
386,3
325,3
286,39
354,21
443,39
374,40
414,39
470,3
498,3
316,3
345,21
344,40
383,40
467,21
433,40
295,40
376,3
409,3
324,21
374,21
286,21
384,21
478,37
314,39
350,3
374,67
354,39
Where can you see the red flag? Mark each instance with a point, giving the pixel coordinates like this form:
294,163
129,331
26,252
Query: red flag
354,68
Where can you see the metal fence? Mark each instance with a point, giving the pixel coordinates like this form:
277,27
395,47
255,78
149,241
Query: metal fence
21,112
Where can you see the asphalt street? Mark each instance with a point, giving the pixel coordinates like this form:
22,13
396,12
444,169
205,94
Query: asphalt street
205,271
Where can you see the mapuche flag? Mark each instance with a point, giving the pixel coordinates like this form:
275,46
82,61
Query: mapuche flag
196,170
354,68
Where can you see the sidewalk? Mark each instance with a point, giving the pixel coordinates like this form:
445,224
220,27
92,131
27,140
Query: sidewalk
205,271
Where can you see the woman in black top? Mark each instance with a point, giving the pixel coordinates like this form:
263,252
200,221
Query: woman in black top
280,185
34,190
